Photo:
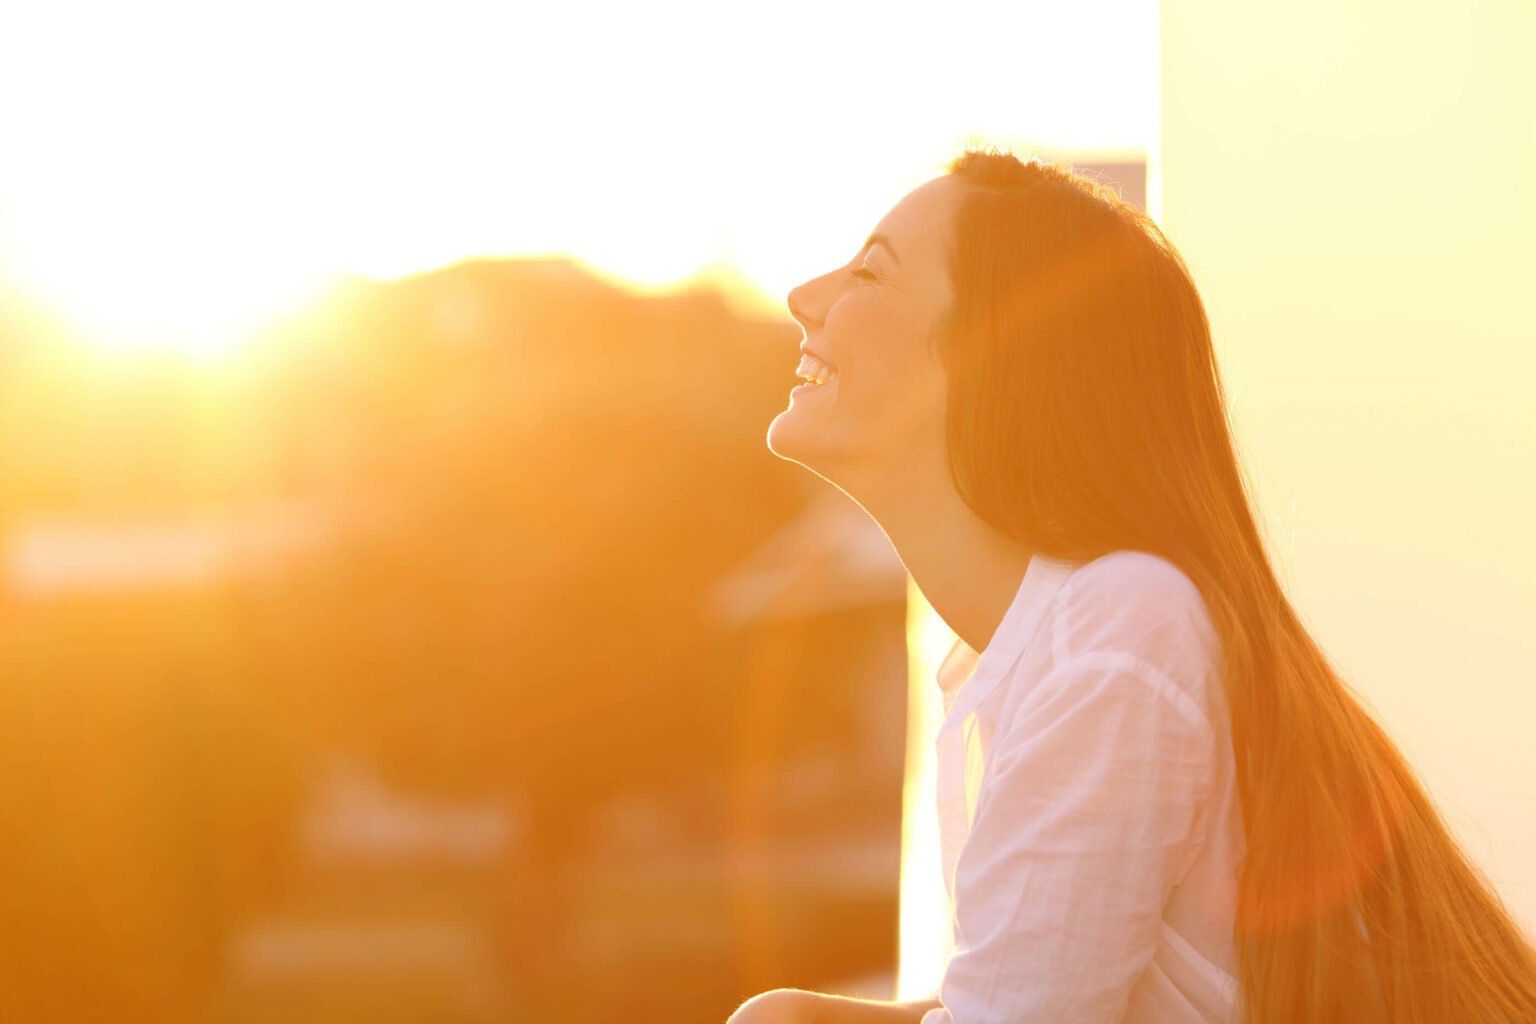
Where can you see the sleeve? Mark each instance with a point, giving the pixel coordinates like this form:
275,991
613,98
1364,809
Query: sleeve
1091,815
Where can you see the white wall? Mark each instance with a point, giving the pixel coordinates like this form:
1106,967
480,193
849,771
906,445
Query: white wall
1351,182
925,940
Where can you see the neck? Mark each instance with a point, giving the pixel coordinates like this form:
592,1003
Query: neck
968,570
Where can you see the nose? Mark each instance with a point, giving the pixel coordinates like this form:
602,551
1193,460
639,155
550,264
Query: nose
797,309
808,302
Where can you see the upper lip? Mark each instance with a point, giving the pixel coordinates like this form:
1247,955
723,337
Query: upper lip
807,349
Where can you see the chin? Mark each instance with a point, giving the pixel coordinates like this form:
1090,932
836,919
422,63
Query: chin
781,439
789,438
793,442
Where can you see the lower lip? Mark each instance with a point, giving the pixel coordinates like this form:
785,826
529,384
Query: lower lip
799,388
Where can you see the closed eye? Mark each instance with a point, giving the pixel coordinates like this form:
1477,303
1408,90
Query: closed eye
867,275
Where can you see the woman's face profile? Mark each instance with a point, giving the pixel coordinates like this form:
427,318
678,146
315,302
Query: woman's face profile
870,320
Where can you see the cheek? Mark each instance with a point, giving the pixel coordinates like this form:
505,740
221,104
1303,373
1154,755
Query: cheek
897,395
886,364
864,317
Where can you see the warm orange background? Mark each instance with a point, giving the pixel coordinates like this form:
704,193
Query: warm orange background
401,615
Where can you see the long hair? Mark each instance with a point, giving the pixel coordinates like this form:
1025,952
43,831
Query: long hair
1086,414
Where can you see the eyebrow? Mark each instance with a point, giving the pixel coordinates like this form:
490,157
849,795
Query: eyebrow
885,241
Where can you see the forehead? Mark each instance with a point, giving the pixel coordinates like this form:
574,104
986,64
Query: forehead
919,223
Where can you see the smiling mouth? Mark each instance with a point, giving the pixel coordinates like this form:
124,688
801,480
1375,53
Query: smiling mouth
815,370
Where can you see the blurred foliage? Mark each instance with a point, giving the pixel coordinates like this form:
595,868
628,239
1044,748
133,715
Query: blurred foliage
524,483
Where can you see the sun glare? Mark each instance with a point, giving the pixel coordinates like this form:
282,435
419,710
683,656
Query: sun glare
179,174
173,302
144,258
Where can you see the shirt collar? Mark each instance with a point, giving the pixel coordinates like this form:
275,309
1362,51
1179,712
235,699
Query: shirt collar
977,673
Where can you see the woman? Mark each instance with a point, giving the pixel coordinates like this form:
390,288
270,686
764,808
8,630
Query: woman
1159,801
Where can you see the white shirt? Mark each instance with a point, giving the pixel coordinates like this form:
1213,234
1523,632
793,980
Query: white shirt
1088,807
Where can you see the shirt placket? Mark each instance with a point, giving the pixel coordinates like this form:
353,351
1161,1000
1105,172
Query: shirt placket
959,729
954,809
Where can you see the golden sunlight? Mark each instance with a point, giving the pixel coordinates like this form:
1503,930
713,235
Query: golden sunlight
399,596
181,174
169,297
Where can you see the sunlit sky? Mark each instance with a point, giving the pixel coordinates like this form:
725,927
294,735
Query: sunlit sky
177,171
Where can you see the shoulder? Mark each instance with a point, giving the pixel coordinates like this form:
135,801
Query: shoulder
1129,590
1132,576
1141,608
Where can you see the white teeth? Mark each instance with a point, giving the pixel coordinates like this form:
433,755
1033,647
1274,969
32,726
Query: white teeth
815,369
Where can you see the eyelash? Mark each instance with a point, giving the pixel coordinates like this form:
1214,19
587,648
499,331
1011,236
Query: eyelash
861,272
